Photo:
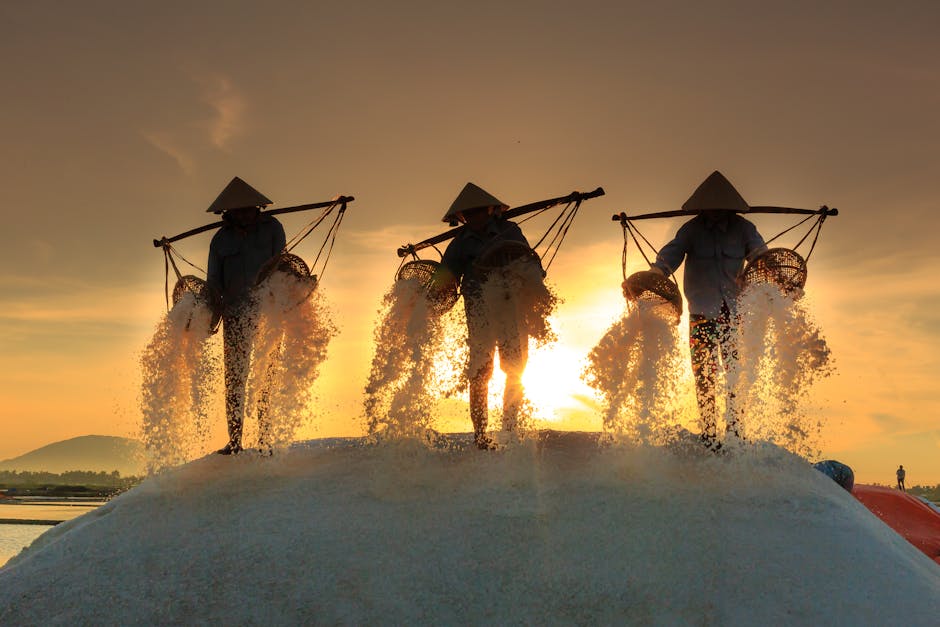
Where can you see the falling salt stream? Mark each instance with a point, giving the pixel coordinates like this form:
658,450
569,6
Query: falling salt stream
637,368
294,331
181,370
182,391
781,354
640,369
408,373
421,357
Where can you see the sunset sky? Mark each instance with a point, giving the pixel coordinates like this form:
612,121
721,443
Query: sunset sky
121,122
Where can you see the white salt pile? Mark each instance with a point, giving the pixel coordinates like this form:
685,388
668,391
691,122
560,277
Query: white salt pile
333,533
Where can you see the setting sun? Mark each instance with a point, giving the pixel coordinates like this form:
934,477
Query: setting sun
552,383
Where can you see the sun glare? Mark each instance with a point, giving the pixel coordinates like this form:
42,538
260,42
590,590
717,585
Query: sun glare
552,382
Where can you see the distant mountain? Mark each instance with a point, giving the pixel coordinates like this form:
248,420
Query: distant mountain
88,452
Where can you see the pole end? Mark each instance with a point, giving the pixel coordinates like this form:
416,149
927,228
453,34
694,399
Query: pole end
406,250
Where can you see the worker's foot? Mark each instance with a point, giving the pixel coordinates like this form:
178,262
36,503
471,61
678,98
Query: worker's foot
734,430
733,438
265,449
232,448
484,442
711,442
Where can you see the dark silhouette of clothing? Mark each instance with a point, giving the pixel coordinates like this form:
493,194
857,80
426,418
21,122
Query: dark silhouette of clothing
901,473
236,255
486,336
715,251
714,248
711,343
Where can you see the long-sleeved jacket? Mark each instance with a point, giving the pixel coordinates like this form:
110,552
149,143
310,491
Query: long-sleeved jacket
715,253
469,245
236,255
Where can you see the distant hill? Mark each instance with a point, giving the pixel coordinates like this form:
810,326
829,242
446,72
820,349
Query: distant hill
88,452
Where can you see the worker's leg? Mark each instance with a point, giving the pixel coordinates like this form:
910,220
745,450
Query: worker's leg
703,346
726,328
513,355
479,392
482,348
236,334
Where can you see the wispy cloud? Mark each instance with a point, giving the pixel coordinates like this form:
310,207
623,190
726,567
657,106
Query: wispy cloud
220,94
888,422
165,143
215,131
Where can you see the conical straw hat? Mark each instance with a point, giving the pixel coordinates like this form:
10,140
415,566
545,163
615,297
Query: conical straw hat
716,193
237,195
472,197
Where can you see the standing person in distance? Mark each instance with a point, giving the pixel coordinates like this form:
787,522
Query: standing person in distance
714,245
901,473
239,249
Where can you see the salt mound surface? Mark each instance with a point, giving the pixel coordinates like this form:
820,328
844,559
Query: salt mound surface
556,532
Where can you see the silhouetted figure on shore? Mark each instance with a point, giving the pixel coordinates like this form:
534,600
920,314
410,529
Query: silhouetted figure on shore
238,251
715,245
901,473
484,229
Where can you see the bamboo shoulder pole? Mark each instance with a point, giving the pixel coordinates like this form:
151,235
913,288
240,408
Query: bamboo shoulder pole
824,210
339,200
409,249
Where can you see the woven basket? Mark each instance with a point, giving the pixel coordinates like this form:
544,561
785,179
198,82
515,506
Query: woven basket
440,298
782,267
204,294
195,286
287,263
295,267
652,287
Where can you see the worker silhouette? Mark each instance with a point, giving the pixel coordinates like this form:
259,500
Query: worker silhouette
239,249
485,229
714,245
